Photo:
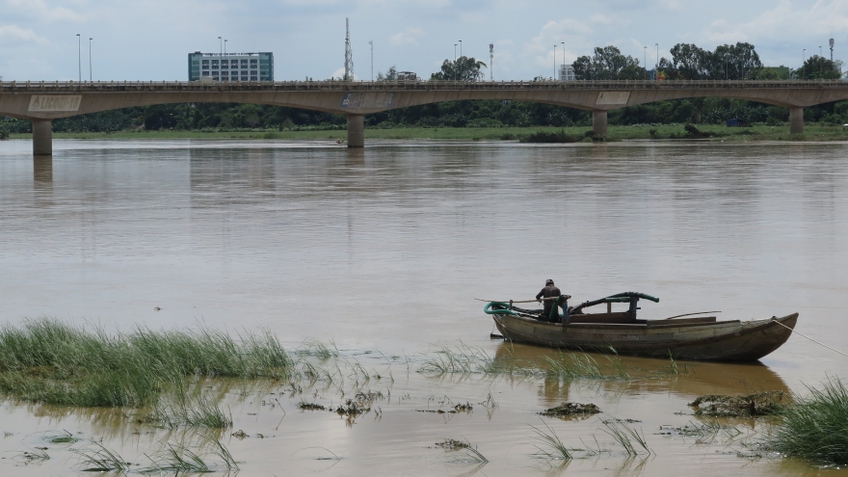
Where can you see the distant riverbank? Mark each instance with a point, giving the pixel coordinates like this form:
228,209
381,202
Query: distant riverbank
812,132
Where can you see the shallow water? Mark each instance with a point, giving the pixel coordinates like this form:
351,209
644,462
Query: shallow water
382,252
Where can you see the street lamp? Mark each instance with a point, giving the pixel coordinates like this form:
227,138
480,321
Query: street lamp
555,61
563,53
646,61
460,48
371,42
657,64
454,52
803,60
821,60
79,56
225,47
90,75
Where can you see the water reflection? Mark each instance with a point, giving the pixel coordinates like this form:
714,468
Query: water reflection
688,379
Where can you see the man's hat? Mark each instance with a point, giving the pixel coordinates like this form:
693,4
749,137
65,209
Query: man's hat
549,282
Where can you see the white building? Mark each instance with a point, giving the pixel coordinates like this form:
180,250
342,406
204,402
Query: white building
566,73
231,66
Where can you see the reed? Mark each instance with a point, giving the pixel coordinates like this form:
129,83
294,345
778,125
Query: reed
456,445
98,458
551,447
815,427
44,360
625,436
573,366
318,349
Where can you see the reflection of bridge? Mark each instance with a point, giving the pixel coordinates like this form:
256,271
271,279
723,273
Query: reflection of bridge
43,102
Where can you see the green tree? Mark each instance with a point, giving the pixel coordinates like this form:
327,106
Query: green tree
463,69
817,67
608,63
734,62
390,75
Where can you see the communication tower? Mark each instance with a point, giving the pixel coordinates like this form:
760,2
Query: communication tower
831,49
491,60
348,76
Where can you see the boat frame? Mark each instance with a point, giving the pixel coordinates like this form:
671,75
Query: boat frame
680,338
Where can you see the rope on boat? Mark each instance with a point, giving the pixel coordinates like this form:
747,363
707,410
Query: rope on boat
811,339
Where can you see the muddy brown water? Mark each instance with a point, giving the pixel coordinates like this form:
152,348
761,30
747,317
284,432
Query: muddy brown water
382,251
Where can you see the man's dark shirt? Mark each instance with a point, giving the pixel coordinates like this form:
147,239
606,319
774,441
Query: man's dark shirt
547,292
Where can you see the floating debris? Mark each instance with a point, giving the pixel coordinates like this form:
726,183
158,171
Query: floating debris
310,406
760,404
240,435
570,409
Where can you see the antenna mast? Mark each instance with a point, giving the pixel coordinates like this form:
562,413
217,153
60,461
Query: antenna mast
348,76
491,61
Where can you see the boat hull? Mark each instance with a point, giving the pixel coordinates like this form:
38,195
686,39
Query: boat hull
681,339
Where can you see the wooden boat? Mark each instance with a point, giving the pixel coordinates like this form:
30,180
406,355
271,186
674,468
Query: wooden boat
683,337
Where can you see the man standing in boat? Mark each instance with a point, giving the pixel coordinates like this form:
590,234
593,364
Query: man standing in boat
550,291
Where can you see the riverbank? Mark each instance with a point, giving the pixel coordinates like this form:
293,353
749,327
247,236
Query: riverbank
812,132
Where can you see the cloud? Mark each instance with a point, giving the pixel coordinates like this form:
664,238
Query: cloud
14,33
40,10
409,37
671,5
774,24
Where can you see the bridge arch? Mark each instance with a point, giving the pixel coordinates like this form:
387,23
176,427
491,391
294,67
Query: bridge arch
42,102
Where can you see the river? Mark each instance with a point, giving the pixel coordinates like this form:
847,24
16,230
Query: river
381,253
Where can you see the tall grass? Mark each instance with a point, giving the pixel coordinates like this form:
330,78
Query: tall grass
47,361
625,436
815,427
551,447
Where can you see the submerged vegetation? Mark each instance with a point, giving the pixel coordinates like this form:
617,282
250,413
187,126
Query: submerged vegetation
758,404
171,378
51,362
815,427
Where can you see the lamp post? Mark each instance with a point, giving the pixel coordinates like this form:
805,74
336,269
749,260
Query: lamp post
79,56
657,64
90,74
646,61
563,55
371,43
460,48
821,60
225,47
555,61
803,60
454,52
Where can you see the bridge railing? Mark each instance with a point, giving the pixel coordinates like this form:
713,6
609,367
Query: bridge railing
419,85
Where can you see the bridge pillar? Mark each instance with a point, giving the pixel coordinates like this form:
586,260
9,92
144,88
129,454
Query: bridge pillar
599,123
42,137
796,120
355,130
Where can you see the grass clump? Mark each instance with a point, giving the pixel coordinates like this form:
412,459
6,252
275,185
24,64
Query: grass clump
551,447
189,409
628,437
98,458
452,445
47,361
816,427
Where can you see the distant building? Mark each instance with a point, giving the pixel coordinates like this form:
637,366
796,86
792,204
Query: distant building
231,66
566,73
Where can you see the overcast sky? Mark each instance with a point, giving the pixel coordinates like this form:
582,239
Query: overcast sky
150,39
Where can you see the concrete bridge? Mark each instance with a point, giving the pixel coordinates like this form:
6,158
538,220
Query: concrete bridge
42,102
